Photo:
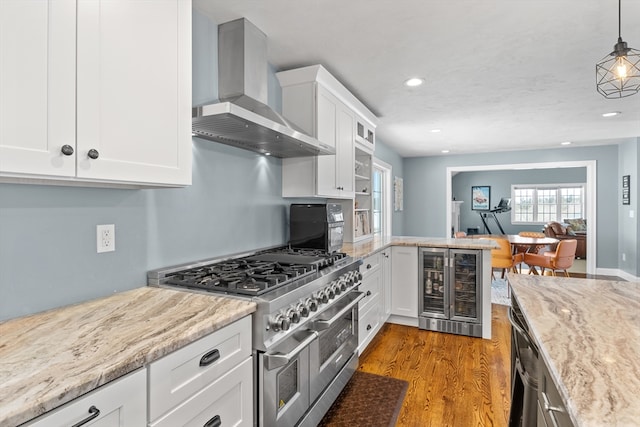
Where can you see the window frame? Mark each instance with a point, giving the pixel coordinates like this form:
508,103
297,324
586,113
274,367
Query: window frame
535,188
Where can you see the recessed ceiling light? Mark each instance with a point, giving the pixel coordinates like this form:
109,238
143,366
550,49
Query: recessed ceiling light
436,130
445,151
413,82
611,114
565,143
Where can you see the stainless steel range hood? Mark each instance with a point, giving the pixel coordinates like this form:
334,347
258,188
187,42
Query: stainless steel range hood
242,118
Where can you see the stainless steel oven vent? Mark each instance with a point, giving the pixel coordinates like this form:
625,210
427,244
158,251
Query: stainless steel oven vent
242,118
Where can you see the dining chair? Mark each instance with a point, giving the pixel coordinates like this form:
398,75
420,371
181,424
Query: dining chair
560,260
503,258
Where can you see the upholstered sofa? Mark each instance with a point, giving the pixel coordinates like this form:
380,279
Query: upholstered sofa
565,231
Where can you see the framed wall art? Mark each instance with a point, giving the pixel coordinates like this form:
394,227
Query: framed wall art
626,189
480,197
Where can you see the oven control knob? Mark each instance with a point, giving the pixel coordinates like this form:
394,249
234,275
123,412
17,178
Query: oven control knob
312,303
280,323
336,289
322,297
330,292
303,309
342,285
293,315
358,276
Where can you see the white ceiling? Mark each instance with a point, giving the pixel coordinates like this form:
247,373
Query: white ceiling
500,74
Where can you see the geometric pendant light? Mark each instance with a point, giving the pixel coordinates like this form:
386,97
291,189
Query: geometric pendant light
618,74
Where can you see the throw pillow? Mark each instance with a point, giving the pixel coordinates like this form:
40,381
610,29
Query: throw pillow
577,224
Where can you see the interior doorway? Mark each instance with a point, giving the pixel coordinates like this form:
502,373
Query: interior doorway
591,204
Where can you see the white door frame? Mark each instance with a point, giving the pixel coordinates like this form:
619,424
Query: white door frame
590,193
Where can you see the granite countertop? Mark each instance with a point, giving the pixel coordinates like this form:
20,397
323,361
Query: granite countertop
370,246
588,333
50,358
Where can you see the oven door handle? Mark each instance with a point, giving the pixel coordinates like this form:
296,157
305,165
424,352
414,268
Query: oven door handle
276,360
323,324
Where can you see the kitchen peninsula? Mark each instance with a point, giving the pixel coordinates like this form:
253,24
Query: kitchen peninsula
50,358
588,335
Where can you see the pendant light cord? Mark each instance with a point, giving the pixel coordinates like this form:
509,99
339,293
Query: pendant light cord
619,19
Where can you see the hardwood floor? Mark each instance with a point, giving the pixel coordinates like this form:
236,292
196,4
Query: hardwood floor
453,380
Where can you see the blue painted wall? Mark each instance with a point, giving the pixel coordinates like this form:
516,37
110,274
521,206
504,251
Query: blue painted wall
500,183
629,220
47,234
425,188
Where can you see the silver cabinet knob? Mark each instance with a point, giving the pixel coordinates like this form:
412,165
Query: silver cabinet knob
93,154
67,150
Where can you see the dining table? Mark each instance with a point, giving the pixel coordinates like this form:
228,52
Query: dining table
531,242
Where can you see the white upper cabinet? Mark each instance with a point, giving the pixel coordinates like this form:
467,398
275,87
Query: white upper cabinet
37,83
110,105
316,110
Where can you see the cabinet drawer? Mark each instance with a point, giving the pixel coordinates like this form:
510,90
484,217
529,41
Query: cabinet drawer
121,402
369,321
371,286
179,375
370,264
229,400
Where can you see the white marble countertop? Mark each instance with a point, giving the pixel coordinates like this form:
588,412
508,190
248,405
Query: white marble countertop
588,333
370,246
50,358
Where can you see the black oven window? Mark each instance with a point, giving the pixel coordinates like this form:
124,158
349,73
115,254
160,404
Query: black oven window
287,384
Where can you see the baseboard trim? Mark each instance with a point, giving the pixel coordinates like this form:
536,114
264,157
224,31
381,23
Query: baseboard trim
617,272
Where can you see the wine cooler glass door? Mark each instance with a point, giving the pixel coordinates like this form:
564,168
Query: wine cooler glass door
465,289
434,292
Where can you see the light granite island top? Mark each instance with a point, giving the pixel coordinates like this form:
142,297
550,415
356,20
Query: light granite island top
588,334
50,358
367,247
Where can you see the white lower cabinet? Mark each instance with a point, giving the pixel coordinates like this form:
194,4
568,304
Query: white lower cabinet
226,402
194,385
371,307
120,403
404,289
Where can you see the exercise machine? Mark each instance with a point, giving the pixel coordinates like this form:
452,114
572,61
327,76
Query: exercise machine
503,206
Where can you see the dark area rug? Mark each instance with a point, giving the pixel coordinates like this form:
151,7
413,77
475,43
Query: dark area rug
367,400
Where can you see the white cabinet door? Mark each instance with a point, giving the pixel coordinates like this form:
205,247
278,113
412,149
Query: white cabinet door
121,403
404,278
134,91
37,86
345,157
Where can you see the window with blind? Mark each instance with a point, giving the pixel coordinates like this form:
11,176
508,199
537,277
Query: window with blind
539,204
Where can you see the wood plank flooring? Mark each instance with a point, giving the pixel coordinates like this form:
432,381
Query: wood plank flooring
453,380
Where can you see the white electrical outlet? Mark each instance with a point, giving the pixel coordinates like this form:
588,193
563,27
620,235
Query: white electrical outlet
106,238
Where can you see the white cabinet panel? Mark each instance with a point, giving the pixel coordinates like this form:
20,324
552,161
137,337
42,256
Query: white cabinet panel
132,104
121,403
37,83
404,281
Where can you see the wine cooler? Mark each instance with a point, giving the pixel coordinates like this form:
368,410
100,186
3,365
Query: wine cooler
451,291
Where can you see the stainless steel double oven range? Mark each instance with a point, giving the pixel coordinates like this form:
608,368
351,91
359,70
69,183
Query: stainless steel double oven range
305,329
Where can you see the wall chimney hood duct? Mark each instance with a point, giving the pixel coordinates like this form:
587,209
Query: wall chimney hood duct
242,118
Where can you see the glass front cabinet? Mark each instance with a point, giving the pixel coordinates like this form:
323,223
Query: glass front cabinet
450,298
